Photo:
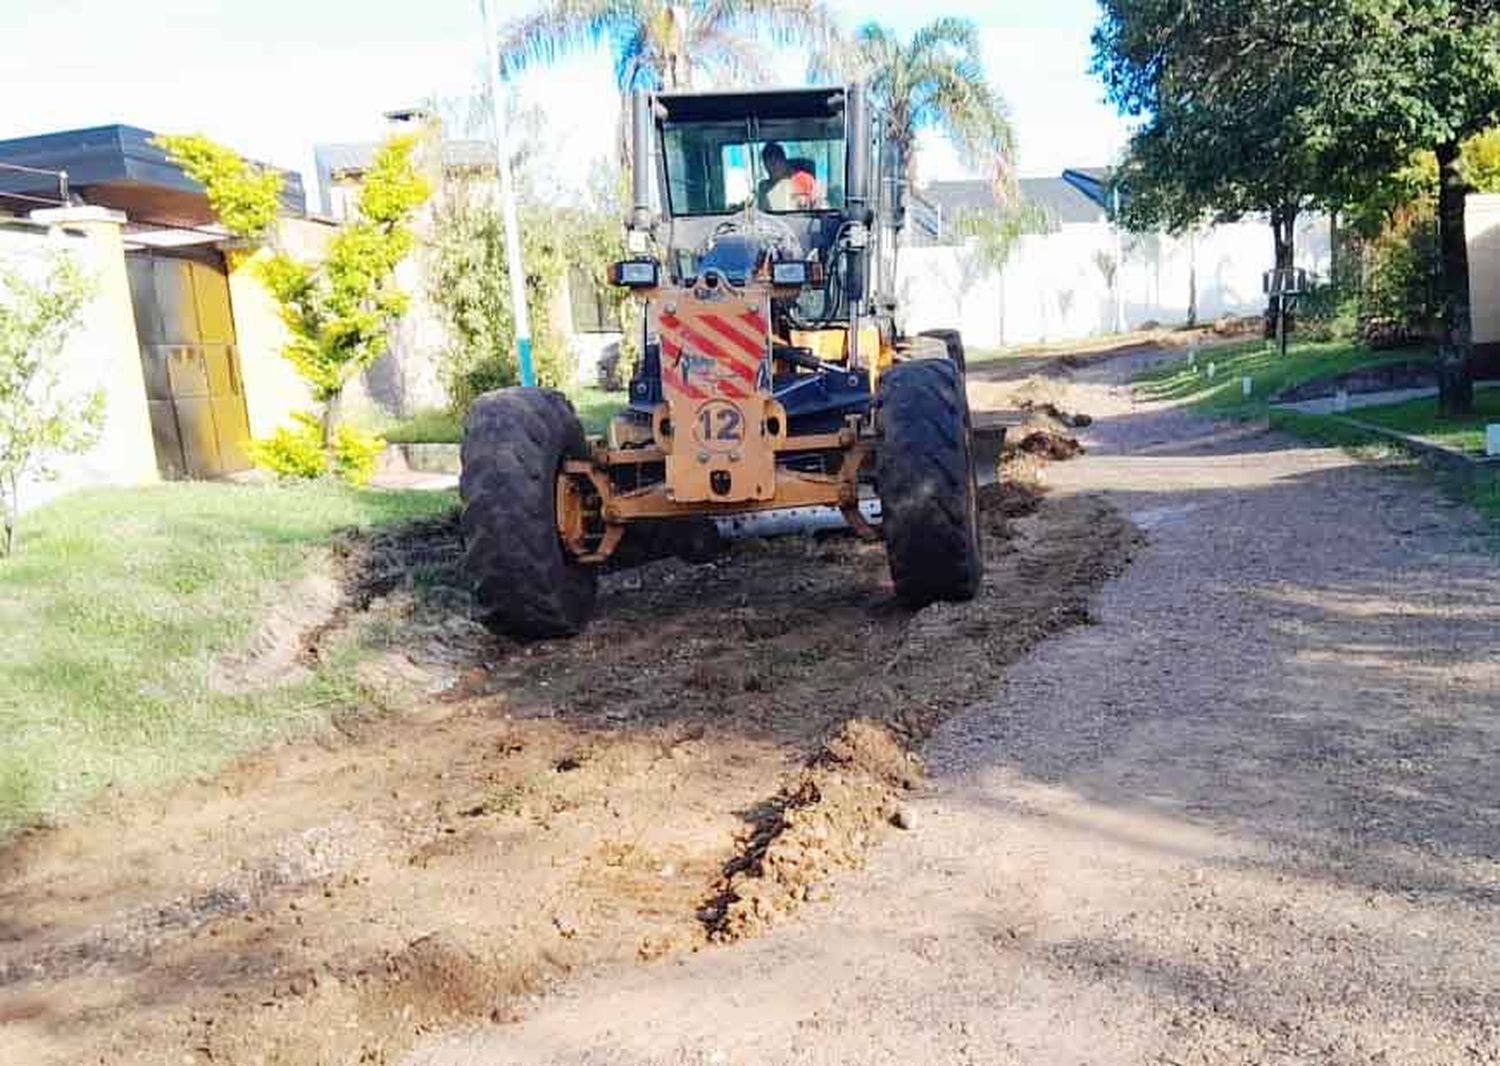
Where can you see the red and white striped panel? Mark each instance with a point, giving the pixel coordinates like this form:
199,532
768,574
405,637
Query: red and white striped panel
713,348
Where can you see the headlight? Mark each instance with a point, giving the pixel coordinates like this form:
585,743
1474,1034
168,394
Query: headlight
791,273
635,273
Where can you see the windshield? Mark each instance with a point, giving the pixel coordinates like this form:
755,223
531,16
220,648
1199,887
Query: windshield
781,166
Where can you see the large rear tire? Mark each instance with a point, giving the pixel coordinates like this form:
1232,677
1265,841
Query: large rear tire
928,490
526,584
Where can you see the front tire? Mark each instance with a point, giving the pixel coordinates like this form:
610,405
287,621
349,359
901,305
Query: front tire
526,585
927,484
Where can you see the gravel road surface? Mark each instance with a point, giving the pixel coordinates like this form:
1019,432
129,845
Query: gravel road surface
1251,815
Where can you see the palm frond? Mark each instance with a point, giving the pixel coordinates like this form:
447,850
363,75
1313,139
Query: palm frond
560,27
633,68
735,56
948,33
806,23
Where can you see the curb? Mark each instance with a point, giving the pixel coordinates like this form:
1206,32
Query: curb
1475,469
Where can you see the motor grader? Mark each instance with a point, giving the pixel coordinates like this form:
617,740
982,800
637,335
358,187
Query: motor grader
772,373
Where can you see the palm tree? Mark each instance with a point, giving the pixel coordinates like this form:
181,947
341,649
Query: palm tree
658,44
935,81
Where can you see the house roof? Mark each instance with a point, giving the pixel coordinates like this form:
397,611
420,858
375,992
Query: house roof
356,156
1094,182
118,167
1062,199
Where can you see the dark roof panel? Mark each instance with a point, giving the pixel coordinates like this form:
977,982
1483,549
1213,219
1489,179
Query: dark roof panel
108,156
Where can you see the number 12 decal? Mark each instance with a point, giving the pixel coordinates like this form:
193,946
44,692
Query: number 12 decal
720,422
723,424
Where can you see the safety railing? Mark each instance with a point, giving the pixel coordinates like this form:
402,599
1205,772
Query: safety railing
30,195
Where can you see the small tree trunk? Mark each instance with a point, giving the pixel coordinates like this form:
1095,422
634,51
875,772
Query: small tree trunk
1284,234
1333,247
1192,319
12,511
330,429
1456,363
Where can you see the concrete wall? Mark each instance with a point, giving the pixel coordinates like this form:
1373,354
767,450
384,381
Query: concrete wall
1482,225
103,354
1056,286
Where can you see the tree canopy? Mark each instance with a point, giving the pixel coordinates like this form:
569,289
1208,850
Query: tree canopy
1239,106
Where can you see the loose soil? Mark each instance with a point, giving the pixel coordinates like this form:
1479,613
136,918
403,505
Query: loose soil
1247,817
724,737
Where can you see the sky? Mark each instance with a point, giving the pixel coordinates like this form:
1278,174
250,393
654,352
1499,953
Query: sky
274,77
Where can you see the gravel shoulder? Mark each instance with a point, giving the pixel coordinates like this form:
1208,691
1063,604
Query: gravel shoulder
1248,816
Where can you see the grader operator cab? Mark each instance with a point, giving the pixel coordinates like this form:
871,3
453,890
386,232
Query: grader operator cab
771,372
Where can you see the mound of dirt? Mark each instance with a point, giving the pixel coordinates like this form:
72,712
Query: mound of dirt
1057,414
278,651
1049,444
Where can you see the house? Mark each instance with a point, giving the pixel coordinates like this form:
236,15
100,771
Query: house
181,338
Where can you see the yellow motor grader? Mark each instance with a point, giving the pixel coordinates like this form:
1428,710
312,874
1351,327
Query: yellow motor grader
771,374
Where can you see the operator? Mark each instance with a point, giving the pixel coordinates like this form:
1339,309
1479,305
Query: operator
786,189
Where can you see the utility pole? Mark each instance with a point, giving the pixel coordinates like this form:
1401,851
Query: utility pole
507,201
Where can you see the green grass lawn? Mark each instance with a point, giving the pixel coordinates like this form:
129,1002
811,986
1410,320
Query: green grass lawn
595,408
115,606
433,426
1263,364
1420,418
1306,362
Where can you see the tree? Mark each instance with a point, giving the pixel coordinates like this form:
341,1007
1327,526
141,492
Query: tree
39,419
1233,101
935,80
1480,162
340,309
1425,76
662,45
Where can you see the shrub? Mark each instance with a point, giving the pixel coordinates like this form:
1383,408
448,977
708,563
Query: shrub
1329,312
1400,297
40,417
296,452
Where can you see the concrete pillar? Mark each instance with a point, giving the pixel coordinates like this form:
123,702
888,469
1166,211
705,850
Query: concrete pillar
104,354
1482,228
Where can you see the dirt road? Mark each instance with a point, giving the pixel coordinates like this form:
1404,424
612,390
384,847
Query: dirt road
1249,817
488,819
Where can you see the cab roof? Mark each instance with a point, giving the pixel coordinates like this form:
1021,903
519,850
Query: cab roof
816,102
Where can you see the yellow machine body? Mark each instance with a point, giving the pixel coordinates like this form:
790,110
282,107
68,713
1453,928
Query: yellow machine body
720,425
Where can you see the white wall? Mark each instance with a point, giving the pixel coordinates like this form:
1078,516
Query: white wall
1482,225
103,354
1054,287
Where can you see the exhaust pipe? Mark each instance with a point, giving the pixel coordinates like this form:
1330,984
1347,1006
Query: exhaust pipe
641,123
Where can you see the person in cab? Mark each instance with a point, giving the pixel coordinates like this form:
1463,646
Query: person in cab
791,184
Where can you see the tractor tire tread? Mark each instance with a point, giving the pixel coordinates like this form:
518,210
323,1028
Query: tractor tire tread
924,472
525,584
